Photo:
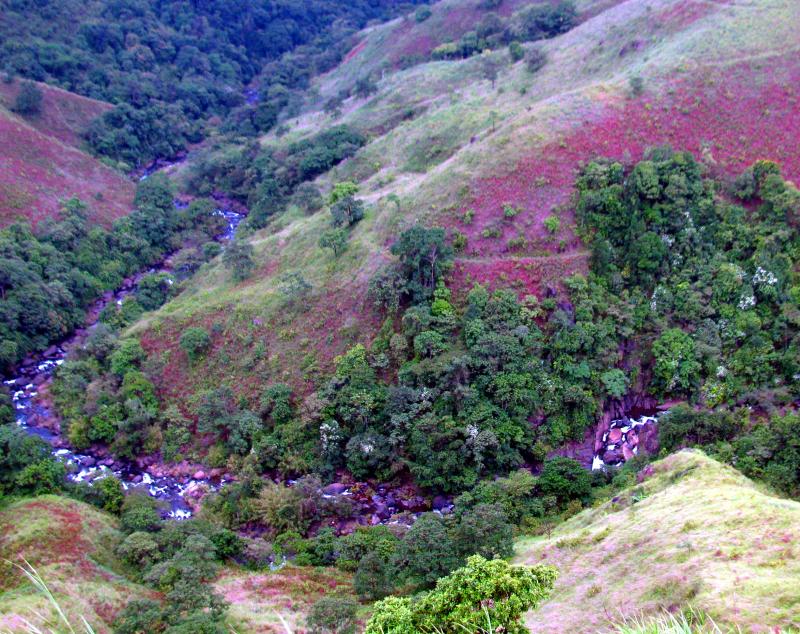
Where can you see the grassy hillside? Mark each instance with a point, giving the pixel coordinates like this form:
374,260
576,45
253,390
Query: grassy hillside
718,79
42,163
691,532
71,545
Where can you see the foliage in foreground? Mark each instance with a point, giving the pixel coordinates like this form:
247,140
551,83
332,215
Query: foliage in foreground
484,595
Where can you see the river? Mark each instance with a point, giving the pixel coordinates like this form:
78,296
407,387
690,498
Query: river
37,371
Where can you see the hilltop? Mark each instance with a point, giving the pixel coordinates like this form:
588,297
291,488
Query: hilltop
690,532
42,160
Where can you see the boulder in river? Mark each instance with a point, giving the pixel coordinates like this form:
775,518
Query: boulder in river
337,488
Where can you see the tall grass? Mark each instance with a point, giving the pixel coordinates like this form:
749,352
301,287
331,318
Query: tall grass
62,622
688,622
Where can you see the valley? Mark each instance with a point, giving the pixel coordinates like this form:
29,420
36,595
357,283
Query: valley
385,318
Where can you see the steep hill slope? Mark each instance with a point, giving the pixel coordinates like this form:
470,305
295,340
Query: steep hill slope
41,161
71,545
717,79
691,532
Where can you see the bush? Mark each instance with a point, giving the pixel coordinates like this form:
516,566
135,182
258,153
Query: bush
422,13
29,99
333,615
238,259
483,594
426,552
552,224
195,342
535,59
516,51
565,479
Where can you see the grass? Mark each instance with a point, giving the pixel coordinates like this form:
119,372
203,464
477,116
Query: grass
71,545
41,162
277,601
693,534
718,79
40,586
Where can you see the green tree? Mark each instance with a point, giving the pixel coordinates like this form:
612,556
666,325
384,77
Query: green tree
29,99
484,530
374,578
565,479
465,601
195,342
426,552
424,256
334,239
238,259
676,369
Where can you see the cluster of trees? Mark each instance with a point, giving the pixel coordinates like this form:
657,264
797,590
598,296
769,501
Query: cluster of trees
170,66
48,276
179,560
268,179
530,23
718,283
716,280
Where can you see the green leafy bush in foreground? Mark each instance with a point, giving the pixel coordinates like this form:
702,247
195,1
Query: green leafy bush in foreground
483,596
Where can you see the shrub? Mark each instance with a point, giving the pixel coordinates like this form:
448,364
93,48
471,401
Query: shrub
307,196
335,240
238,258
636,85
535,59
552,224
195,342
482,594
293,286
283,508
333,615
29,99
516,51
422,13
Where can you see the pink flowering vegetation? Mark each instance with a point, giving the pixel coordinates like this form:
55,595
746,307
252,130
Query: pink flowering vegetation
728,117
37,171
64,115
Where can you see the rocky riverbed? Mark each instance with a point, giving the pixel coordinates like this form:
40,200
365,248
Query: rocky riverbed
180,486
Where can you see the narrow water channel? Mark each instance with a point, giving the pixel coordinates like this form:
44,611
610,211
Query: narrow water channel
31,412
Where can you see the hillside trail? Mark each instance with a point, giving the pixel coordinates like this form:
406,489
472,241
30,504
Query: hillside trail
555,257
